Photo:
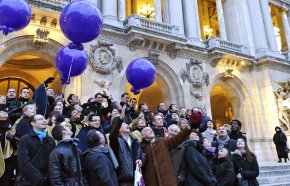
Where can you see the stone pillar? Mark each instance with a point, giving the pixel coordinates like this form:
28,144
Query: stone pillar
191,20
286,27
222,26
257,26
175,15
109,11
122,10
268,25
158,12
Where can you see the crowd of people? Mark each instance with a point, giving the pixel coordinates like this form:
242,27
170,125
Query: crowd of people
50,141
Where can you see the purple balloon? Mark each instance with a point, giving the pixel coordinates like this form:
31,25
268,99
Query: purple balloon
70,62
140,74
81,21
14,15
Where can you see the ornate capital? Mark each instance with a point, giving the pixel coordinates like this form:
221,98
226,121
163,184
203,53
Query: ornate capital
135,41
195,73
103,58
153,56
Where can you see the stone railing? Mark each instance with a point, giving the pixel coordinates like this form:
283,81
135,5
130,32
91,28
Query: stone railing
51,5
148,24
226,45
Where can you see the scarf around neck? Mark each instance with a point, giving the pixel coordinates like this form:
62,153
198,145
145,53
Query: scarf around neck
40,134
105,149
222,143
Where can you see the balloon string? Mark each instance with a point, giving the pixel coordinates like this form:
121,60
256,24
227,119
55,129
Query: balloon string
72,60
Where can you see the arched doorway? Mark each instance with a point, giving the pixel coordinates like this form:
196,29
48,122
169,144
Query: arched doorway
229,100
23,65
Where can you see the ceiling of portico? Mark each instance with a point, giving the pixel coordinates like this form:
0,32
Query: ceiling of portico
27,62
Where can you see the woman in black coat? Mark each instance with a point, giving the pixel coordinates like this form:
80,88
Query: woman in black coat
223,168
280,141
245,164
198,171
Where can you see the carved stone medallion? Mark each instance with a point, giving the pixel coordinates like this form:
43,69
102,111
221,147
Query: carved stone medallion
194,73
103,58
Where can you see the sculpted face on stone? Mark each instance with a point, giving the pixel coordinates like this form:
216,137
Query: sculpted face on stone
104,57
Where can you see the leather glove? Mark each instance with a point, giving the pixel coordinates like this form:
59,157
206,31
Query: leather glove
49,80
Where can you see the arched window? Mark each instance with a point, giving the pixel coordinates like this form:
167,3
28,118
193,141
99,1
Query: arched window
16,83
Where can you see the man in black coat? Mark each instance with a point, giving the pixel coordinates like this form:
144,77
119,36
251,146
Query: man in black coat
65,165
33,151
100,161
280,141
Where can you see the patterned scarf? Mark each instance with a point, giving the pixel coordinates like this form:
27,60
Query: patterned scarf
222,143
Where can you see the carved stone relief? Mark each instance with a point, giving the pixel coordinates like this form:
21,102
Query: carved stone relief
103,58
195,73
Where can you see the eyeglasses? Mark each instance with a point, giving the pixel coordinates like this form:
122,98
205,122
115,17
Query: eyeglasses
39,119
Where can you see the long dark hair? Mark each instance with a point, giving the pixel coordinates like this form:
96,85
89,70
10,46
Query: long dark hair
250,156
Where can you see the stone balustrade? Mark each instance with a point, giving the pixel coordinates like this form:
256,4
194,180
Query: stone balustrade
226,45
51,5
148,24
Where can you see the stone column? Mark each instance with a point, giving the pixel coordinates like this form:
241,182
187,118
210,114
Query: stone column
122,10
175,15
257,26
268,25
109,11
158,12
191,20
222,26
286,27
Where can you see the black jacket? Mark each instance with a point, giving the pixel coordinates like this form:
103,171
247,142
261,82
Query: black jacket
99,168
198,171
248,170
65,167
223,170
33,158
23,127
280,141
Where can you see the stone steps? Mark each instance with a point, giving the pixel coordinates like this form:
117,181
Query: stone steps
274,174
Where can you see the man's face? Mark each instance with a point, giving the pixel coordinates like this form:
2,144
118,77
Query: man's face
222,131
194,136
59,98
172,132
144,107
147,133
78,108
235,126
50,92
25,93
99,98
162,107
133,103
174,108
125,99
11,93
31,110
174,117
2,100
39,122
96,122
158,121
74,99
66,130
57,108
102,138
3,115
124,128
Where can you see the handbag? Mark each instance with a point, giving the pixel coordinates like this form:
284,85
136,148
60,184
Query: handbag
138,177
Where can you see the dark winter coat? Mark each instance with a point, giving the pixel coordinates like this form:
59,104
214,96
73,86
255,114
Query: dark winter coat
280,141
177,161
33,158
198,171
65,167
15,108
99,168
235,135
23,127
224,172
125,155
157,170
248,170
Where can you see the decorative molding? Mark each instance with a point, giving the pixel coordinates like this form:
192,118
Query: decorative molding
103,58
135,41
194,73
172,49
198,95
153,56
40,38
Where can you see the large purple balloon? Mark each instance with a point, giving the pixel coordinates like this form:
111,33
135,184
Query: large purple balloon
81,21
70,62
140,74
14,15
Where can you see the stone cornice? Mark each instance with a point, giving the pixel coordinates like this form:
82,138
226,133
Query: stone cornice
271,63
285,4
